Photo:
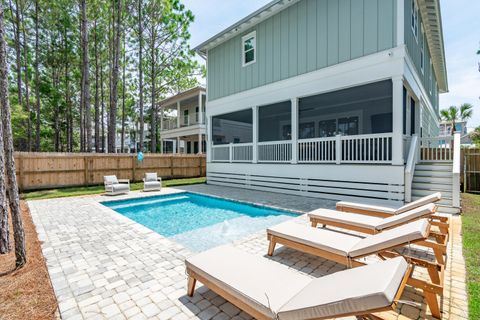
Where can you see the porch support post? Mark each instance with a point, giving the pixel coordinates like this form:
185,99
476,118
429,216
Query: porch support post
161,144
161,118
255,134
200,151
178,114
397,119
200,108
208,138
178,145
294,133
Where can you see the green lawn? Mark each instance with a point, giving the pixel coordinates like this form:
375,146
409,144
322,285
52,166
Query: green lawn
471,250
81,191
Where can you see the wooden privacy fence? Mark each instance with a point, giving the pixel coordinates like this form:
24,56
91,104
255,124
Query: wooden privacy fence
470,165
53,170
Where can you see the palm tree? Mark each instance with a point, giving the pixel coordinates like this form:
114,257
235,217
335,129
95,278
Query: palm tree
455,114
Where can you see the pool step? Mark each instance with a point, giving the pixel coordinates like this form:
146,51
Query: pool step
147,202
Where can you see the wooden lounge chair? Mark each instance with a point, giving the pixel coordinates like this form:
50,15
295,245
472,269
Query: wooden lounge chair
268,290
347,249
152,182
385,212
373,225
114,186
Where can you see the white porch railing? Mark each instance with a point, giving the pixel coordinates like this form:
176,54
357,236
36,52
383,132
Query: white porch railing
456,171
318,150
436,149
242,152
275,151
221,153
369,148
169,124
192,119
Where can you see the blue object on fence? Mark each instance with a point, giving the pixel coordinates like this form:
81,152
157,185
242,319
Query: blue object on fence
140,156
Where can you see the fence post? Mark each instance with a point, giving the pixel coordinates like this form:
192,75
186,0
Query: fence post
85,170
338,149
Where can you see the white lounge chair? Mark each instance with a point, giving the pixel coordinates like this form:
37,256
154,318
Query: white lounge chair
268,290
382,211
152,182
114,186
347,249
372,225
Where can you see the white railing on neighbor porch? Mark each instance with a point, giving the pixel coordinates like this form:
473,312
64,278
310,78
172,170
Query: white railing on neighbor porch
275,151
436,149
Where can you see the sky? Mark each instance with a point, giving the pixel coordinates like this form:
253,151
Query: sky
461,31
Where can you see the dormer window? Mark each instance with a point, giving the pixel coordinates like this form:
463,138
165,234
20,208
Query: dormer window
414,19
249,47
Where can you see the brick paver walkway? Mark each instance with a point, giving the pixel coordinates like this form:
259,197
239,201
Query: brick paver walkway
105,266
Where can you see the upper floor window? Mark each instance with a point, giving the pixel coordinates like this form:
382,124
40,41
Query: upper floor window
422,54
249,47
414,19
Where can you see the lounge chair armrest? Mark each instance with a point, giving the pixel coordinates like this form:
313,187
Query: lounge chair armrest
124,181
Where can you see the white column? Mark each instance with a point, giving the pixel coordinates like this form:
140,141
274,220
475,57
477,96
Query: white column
294,126
178,114
254,134
397,121
161,144
200,151
400,22
208,138
200,108
178,145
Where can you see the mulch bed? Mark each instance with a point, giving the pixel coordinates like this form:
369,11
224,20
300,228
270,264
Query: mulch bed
26,293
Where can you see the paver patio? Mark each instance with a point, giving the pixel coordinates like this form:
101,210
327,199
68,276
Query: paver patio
103,265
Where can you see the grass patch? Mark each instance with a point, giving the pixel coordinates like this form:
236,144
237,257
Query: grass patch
471,251
82,191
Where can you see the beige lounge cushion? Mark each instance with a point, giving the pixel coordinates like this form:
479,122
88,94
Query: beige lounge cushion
151,176
420,202
351,291
387,239
367,207
401,218
262,284
328,240
110,179
353,219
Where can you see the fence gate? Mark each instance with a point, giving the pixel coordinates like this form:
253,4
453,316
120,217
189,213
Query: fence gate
471,171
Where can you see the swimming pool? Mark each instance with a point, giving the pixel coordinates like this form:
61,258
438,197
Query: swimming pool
198,222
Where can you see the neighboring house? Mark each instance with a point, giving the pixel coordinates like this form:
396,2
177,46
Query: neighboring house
322,97
182,122
446,128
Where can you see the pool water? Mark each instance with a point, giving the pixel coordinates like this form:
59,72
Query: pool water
198,222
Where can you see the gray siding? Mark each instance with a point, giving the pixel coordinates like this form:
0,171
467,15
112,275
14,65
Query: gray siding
307,36
413,47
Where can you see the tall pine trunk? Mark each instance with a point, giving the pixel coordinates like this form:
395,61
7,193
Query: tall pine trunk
140,71
85,77
102,96
37,83
27,87
114,88
97,96
18,67
18,233
123,91
153,109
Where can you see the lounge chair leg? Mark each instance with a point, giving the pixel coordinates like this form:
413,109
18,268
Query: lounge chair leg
314,223
191,285
439,256
271,247
432,304
433,272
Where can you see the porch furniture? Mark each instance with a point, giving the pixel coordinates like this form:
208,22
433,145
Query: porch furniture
114,186
373,225
269,290
152,182
347,249
382,211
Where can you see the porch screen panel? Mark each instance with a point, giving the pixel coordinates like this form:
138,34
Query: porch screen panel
235,127
275,122
359,110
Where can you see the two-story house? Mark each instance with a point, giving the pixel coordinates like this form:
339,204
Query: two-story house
182,122
325,98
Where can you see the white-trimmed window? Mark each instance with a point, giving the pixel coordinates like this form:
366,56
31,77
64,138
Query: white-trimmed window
249,48
422,54
414,19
